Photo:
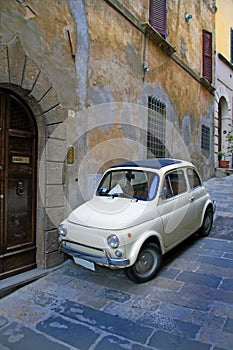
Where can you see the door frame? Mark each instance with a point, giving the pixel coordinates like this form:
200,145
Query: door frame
30,81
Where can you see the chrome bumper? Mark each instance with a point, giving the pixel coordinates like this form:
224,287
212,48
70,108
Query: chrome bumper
98,259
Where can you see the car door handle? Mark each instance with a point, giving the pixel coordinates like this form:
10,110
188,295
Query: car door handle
191,199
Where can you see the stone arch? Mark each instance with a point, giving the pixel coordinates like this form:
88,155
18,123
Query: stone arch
19,73
223,119
223,92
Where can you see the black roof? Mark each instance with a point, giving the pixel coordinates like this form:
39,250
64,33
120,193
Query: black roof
156,163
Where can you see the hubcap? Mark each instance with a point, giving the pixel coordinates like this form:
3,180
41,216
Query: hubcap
146,261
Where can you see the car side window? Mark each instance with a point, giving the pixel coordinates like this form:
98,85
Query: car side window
175,184
194,179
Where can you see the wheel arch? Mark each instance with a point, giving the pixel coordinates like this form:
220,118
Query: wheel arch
210,205
151,237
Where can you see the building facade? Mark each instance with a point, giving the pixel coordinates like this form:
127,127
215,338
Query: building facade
224,77
83,85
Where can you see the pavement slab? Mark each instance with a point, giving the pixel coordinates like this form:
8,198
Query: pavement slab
18,337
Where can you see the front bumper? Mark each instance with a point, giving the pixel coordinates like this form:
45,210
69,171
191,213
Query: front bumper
102,258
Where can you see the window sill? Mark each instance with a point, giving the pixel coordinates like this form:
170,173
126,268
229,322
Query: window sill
207,85
158,39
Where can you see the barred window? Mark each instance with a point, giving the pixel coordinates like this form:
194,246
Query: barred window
19,118
156,128
205,137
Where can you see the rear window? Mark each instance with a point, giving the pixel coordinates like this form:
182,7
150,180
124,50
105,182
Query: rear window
194,179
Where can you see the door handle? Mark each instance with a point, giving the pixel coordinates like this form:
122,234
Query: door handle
1,196
20,188
191,199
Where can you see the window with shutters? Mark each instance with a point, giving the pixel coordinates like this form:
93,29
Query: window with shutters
231,45
156,128
158,16
207,53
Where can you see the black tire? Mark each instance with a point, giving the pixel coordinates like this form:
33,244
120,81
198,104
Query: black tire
207,223
147,264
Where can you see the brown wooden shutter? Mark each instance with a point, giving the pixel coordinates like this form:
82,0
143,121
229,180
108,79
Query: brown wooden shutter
158,16
207,56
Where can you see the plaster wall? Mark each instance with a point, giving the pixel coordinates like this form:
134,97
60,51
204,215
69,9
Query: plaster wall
224,92
224,22
117,50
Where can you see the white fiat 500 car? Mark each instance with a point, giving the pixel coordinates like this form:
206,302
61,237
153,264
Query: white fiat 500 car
139,212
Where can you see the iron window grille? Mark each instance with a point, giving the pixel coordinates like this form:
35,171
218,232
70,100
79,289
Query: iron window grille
156,128
205,137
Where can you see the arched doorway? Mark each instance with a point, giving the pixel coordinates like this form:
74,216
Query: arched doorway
18,159
219,127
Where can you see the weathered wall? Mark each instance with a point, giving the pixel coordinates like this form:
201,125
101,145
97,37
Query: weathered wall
224,23
43,27
37,63
117,49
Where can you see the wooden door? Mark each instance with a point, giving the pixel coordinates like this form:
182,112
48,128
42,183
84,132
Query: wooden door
219,127
18,140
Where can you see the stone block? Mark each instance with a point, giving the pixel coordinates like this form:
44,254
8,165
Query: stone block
16,56
51,241
55,196
228,327
31,73
41,87
26,338
54,173
172,342
56,150
55,216
4,71
200,279
55,115
57,131
53,259
49,100
77,335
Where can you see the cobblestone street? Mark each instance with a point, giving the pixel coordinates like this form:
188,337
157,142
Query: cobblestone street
189,305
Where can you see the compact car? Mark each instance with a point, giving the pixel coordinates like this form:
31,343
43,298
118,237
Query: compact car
140,211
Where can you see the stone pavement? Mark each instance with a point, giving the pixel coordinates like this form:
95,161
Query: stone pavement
189,305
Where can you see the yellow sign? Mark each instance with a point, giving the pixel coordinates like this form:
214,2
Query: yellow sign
22,160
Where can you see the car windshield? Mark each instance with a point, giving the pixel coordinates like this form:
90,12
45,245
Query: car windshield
138,184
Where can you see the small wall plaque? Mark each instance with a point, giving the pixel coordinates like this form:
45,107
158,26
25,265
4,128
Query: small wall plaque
21,160
70,155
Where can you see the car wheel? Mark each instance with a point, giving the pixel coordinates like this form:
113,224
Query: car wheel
147,264
207,223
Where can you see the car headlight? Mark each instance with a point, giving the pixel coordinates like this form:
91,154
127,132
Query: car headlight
113,241
62,230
